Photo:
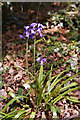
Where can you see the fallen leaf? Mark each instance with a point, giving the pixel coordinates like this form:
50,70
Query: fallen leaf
43,116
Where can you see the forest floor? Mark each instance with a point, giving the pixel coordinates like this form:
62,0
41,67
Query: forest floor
56,47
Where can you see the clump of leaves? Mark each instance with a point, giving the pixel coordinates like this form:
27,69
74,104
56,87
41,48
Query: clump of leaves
47,92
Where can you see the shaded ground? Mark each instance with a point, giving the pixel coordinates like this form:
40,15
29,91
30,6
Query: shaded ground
14,55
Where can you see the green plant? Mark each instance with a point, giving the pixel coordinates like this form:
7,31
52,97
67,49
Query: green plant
47,91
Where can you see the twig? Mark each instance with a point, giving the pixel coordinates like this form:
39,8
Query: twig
74,117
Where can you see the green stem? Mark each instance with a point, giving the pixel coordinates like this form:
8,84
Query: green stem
27,57
34,54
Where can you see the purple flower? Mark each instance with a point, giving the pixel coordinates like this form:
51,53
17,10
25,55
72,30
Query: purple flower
33,25
15,18
32,30
26,27
32,33
39,31
42,61
27,34
24,18
41,26
38,59
21,36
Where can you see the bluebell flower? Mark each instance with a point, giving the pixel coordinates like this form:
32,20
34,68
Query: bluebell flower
42,61
39,31
24,18
32,33
33,29
21,36
38,59
27,34
26,27
41,26
15,18
33,25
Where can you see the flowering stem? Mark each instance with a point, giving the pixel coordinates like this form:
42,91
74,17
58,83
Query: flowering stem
34,54
27,56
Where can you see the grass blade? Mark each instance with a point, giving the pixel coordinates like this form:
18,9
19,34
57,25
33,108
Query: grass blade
69,79
53,109
10,102
12,94
49,81
72,99
41,75
53,85
3,97
32,116
61,95
44,88
9,114
56,81
18,114
68,86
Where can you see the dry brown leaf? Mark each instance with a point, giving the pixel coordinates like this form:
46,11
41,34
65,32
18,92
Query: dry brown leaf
30,59
54,54
72,13
11,71
17,64
59,54
38,114
43,116
8,57
62,38
10,89
17,77
56,29
67,115
60,103
3,93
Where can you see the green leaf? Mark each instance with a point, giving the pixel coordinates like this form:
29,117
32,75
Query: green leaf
3,97
63,94
57,80
19,54
14,99
53,109
72,99
9,114
38,41
9,103
45,87
55,37
18,114
32,115
2,115
58,110
68,86
47,75
54,93
49,79
12,94
41,75
69,79
26,106
20,90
